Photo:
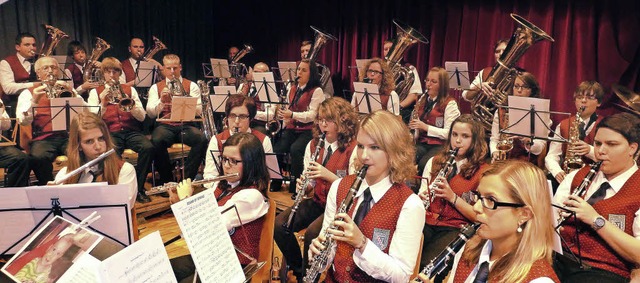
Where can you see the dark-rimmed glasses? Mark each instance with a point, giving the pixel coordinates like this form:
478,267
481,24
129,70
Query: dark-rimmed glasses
230,161
490,202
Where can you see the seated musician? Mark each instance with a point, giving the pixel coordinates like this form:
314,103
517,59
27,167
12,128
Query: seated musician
436,112
241,154
339,121
14,160
167,133
378,238
46,144
17,71
124,124
524,85
89,138
239,110
514,242
323,70
480,83
589,95
377,72
451,207
265,112
606,221
407,102
130,65
75,71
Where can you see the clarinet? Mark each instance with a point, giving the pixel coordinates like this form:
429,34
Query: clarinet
444,259
444,172
320,260
300,195
584,185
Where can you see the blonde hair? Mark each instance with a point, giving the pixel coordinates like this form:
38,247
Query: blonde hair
388,83
526,184
392,135
111,63
170,57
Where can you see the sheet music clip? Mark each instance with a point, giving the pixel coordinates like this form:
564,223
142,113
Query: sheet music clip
87,221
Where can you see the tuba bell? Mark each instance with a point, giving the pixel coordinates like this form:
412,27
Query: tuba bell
321,38
239,70
157,46
407,36
54,35
91,73
503,73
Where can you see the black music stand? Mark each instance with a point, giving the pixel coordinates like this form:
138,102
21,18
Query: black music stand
529,128
220,96
64,111
220,68
564,243
366,97
458,74
145,74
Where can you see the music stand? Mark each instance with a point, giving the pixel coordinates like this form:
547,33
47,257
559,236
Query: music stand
287,71
266,87
144,74
183,110
220,68
275,171
538,114
366,97
207,71
220,96
66,110
458,74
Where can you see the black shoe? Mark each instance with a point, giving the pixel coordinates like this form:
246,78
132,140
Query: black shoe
276,185
294,196
142,198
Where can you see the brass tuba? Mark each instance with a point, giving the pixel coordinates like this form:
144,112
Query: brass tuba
571,159
503,74
321,38
239,70
157,46
54,35
91,73
403,76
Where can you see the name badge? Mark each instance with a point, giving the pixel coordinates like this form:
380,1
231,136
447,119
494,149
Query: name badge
440,122
381,238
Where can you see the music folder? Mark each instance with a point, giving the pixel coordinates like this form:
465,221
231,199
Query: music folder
144,76
458,74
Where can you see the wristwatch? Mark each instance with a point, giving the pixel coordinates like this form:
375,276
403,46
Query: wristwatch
598,223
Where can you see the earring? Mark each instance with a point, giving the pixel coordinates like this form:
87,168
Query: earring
519,230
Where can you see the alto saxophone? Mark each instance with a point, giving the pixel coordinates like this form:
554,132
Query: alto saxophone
415,133
584,185
320,261
571,159
505,143
444,172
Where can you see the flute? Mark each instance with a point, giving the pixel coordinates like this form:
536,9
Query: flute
85,166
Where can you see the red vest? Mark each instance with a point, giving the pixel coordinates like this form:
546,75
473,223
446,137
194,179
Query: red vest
225,135
619,209
339,160
540,268
384,100
20,75
437,113
116,119
383,217
442,212
76,75
301,106
129,72
247,236
166,111
42,123
564,132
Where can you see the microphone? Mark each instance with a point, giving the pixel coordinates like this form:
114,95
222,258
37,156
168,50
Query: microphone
444,259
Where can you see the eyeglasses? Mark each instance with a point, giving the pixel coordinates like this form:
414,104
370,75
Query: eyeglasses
239,116
324,121
50,68
229,161
490,203
374,72
519,87
588,97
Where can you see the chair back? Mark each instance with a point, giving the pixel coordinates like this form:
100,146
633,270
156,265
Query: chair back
265,252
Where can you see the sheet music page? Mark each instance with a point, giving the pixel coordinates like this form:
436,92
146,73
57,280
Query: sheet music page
144,261
206,235
15,224
86,269
59,122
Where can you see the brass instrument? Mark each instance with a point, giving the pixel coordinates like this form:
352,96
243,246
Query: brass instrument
444,172
505,143
502,75
175,87
300,195
172,185
116,95
239,70
54,89
157,46
208,123
54,35
91,73
415,133
581,190
403,76
274,126
320,39
571,159
320,261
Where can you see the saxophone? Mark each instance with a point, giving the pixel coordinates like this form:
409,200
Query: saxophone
571,159
320,261
584,185
444,172
208,124
415,133
505,143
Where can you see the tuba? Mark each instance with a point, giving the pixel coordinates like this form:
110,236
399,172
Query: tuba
403,76
571,159
321,38
91,73
208,124
502,75
157,46
54,35
239,70
116,95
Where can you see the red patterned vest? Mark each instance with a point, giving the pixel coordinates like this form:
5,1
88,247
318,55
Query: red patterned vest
382,217
76,75
129,72
42,126
166,111
564,132
247,236
20,75
620,210
225,135
540,268
442,212
339,160
301,106
435,118
116,119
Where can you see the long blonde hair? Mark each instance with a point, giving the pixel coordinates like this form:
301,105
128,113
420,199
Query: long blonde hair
83,122
526,184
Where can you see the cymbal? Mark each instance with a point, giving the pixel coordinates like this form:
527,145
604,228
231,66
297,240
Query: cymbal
629,97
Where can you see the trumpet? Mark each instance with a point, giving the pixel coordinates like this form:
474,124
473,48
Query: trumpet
116,95
444,172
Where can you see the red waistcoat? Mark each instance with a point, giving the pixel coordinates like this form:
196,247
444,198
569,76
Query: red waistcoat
339,160
225,135
564,132
383,217
442,212
186,84
247,236
540,268
76,75
20,75
116,119
620,210
42,123
129,72
437,113
302,105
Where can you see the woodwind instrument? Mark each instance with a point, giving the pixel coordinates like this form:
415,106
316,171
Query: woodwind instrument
415,133
444,172
581,190
171,185
571,159
85,166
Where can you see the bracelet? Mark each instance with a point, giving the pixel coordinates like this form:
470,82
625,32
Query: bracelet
455,200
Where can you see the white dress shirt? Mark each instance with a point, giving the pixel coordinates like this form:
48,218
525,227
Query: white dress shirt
426,173
416,87
154,105
552,160
5,122
537,147
25,106
476,84
334,146
393,104
7,79
250,205
94,100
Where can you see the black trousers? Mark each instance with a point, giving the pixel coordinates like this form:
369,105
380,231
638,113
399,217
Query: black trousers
436,239
424,152
165,135
309,215
294,143
42,153
16,163
139,143
569,271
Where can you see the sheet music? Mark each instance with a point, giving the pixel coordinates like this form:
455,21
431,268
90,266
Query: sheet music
220,68
287,70
206,235
86,269
521,126
59,122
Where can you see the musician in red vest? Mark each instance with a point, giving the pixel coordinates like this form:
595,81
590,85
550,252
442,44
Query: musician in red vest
124,125
378,237
17,71
606,222
407,102
479,83
451,207
436,112
16,161
167,133
378,72
46,143
514,242
304,98
339,121
75,70
242,153
589,95
327,86
130,65
265,112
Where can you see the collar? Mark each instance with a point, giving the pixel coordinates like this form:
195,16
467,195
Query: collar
133,61
167,80
234,184
485,254
377,190
619,181
333,145
21,59
79,66
301,87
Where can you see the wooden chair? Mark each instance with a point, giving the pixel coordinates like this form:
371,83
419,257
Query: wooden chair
416,269
266,245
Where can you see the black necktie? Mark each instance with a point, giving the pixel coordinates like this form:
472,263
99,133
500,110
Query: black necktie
32,71
483,273
95,176
327,156
582,130
296,97
364,207
428,107
454,171
599,194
